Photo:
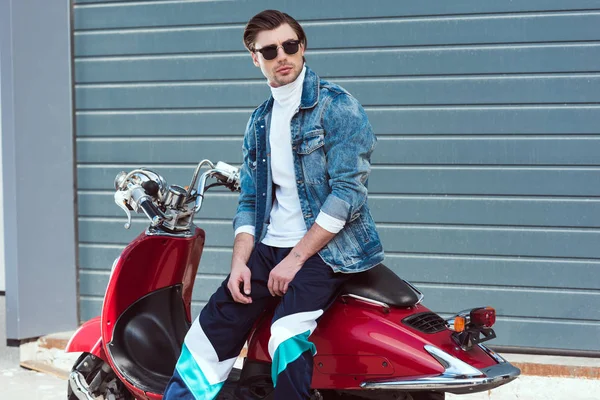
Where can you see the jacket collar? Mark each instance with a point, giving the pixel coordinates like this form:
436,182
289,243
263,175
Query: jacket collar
310,89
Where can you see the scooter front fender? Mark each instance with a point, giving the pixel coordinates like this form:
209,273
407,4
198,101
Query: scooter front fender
88,339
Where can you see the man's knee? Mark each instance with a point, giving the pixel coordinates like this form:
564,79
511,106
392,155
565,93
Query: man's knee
291,333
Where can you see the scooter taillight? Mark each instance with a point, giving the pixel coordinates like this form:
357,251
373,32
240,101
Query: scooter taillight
485,317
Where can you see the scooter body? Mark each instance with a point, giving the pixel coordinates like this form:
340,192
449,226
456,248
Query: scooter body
146,311
375,339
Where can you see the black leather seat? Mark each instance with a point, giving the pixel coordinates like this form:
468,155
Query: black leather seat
381,284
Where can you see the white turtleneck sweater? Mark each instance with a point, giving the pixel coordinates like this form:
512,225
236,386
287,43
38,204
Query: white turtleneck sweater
287,226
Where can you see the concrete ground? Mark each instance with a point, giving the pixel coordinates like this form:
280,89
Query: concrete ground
540,388
21,384
17,383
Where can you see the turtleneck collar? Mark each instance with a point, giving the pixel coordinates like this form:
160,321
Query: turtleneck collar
290,92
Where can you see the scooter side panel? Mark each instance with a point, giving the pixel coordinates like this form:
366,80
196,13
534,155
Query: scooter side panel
356,341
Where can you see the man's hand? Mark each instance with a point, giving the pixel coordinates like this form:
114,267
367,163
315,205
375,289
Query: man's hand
240,274
281,276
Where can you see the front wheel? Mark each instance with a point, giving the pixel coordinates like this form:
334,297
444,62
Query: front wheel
99,379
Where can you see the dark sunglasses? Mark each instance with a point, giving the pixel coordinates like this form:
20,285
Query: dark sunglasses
270,52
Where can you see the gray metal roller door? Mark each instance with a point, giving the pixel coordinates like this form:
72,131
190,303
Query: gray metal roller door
485,181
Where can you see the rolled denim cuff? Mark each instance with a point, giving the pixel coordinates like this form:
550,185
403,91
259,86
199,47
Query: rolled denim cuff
245,229
336,208
330,224
243,218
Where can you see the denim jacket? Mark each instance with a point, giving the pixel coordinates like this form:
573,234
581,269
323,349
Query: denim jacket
332,141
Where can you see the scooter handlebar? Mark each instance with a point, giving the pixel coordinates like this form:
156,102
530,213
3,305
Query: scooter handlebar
151,211
142,189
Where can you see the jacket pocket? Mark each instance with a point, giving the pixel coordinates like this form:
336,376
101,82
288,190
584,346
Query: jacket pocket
312,141
311,152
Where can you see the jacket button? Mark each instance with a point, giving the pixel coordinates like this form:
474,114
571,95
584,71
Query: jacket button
264,194
307,215
299,181
264,160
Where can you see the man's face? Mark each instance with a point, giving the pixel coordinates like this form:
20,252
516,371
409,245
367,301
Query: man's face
284,68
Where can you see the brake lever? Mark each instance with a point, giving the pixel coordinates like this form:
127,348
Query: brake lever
228,175
121,199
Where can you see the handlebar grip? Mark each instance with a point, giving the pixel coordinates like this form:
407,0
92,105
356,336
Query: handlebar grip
228,175
151,211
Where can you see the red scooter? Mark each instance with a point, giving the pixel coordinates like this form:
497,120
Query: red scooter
377,341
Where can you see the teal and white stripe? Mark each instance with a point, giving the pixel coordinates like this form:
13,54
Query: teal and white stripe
199,365
289,339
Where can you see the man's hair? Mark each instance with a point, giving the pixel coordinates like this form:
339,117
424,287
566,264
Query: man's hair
268,20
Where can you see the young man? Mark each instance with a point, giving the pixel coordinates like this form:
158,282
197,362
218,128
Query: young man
302,222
